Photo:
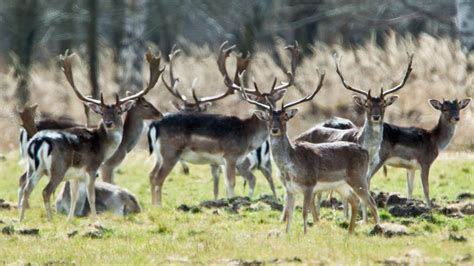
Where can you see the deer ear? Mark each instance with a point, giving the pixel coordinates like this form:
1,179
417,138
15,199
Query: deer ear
205,106
359,101
97,108
391,100
436,104
289,114
126,106
262,115
176,105
278,95
464,103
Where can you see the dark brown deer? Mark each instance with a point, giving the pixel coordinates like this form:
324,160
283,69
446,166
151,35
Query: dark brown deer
211,137
79,152
415,148
309,168
259,158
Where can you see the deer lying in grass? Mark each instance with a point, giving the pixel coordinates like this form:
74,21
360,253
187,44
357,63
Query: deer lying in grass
207,138
108,197
79,152
257,159
309,168
370,135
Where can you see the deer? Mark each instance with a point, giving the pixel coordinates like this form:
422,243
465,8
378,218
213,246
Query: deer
79,152
415,148
212,137
309,168
109,197
370,135
256,159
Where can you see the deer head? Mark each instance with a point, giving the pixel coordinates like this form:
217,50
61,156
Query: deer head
277,119
111,113
199,104
450,109
276,92
375,105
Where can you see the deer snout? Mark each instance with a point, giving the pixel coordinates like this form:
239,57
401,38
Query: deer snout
275,131
376,117
456,119
108,124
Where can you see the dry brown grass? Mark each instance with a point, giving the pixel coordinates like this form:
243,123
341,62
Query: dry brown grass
439,72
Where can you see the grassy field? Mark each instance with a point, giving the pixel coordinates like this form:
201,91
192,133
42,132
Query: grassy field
166,235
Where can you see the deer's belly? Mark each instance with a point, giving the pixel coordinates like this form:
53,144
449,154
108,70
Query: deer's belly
75,173
403,163
194,157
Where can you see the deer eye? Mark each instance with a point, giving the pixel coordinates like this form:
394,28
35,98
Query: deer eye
146,105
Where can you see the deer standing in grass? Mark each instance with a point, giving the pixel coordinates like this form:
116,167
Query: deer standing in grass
79,152
415,148
370,135
259,158
210,137
309,168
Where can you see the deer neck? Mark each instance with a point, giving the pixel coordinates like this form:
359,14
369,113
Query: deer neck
257,132
281,149
30,128
443,133
109,140
370,137
132,130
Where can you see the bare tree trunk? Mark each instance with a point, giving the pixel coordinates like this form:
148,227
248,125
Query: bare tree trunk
132,47
26,13
67,27
465,22
92,48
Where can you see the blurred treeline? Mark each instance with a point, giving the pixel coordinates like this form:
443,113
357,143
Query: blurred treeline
37,30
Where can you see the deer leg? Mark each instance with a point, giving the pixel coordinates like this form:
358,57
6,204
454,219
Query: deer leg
230,165
107,173
307,201
290,199
73,189
316,206
425,174
267,173
31,181
21,189
216,172
152,178
48,191
159,179
354,202
410,182
367,200
185,167
284,213
246,173
90,190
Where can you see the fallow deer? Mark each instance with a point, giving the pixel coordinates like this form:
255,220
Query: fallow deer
309,168
257,159
109,197
415,148
368,136
79,152
211,137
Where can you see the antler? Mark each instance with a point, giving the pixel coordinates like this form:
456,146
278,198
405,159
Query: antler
347,86
405,78
264,106
155,72
309,97
66,67
174,82
294,50
242,64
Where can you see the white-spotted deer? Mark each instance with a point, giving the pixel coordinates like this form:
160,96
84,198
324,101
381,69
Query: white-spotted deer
415,148
370,135
309,168
257,159
79,152
211,137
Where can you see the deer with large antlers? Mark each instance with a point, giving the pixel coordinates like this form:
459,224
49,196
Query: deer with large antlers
370,135
79,152
309,168
259,158
212,137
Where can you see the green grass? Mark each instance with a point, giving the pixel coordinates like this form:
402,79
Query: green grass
167,235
